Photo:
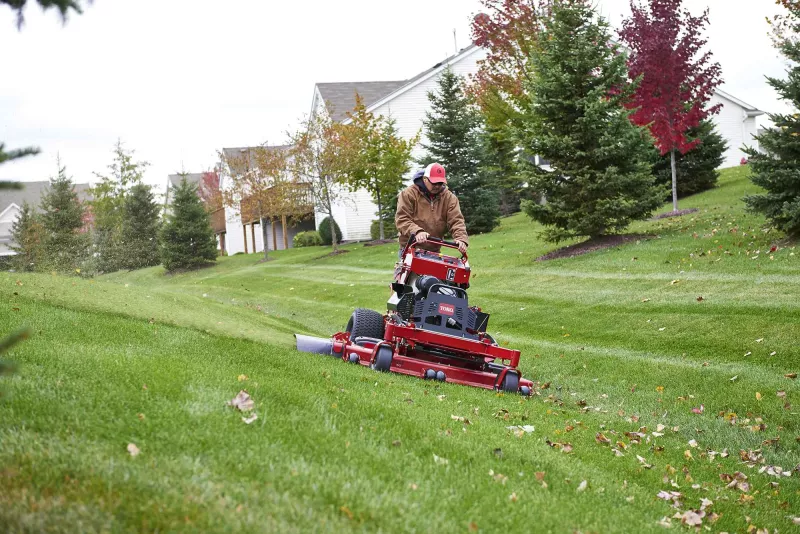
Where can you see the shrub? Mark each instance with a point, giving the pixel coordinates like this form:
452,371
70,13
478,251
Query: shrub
307,239
389,229
325,231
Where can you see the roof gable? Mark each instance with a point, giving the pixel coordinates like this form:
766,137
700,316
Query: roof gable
32,192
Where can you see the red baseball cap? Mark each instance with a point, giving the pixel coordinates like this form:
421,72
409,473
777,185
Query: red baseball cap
435,173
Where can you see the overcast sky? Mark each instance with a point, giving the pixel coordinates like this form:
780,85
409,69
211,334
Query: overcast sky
177,80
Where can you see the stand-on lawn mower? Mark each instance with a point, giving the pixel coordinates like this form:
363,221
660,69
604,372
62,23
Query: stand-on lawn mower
429,330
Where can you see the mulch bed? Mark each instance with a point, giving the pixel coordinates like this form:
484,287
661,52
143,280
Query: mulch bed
591,245
379,242
674,214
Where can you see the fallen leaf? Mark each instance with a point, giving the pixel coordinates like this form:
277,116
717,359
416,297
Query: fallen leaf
140,416
242,378
790,375
242,401
643,462
759,340
582,486
699,409
645,300
460,419
700,299
248,420
440,461
601,438
758,396
688,455
773,353
133,449
441,397
674,282
692,518
512,497
693,443
344,509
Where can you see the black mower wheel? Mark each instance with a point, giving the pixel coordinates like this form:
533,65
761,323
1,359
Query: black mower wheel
510,382
365,323
383,360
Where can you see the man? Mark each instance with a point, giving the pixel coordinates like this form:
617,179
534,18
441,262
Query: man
427,209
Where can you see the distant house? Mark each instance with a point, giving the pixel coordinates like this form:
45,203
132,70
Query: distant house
243,223
406,102
11,202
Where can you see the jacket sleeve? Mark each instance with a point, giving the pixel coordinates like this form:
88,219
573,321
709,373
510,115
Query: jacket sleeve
455,220
404,218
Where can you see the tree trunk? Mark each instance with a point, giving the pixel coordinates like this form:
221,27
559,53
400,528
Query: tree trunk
285,233
263,232
674,182
380,218
334,237
274,234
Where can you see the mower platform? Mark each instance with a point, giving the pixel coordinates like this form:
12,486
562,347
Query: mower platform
429,330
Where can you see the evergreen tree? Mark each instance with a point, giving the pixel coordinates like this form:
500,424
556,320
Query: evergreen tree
776,167
187,238
27,234
108,207
65,243
140,227
698,167
601,180
499,162
453,132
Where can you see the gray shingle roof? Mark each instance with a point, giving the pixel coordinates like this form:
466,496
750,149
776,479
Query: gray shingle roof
191,177
32,194
341,97
238,158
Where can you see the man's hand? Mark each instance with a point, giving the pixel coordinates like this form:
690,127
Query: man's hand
421,237
462,247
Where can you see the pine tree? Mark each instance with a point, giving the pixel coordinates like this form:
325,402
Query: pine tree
776,167
108,201
698,167
140,227
453,132
27,234
601,180
187,238
65,243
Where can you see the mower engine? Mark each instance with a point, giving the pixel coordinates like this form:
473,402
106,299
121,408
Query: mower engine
429,330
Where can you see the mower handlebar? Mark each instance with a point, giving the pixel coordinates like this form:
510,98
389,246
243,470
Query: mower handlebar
438,241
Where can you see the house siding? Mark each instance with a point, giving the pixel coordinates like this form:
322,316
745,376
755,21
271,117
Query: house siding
736,127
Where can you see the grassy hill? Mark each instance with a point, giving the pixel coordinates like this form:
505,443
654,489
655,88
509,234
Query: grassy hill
659,363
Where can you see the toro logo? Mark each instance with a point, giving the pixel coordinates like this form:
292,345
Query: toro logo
446,309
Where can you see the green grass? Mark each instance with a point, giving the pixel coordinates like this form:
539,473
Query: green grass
619,335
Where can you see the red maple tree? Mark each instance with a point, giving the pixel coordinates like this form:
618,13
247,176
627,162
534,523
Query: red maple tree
678,77
209,190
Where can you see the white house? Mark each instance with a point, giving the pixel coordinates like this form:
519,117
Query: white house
406,102
243,227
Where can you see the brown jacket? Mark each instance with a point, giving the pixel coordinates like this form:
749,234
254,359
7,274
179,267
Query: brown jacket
419,212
